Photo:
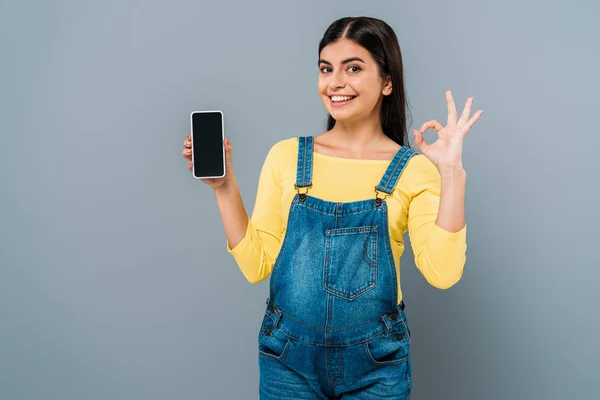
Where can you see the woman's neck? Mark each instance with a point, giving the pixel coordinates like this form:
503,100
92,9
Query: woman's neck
358,136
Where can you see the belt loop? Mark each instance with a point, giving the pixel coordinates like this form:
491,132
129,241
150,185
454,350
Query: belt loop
386,322
274,313
276,318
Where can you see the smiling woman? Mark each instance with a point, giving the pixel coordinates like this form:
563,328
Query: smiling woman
335,322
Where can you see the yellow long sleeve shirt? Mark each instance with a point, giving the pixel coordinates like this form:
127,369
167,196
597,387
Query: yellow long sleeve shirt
440,255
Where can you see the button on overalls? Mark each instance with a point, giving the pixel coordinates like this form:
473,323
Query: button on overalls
332,326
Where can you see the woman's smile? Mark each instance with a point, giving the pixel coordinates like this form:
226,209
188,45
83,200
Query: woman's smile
340,101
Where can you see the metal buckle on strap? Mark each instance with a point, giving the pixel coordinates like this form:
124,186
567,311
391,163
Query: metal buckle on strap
379,200
302,196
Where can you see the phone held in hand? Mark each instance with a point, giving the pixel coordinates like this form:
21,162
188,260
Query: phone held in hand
208,148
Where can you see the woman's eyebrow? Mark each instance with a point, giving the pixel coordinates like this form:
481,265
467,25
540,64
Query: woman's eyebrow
346,61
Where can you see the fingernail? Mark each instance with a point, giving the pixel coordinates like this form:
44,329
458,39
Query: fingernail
188,151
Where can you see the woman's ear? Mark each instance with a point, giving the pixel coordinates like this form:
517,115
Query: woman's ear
387,87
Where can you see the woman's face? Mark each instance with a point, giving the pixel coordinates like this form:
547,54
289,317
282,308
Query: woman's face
349,82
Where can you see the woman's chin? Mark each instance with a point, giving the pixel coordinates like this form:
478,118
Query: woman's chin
341,116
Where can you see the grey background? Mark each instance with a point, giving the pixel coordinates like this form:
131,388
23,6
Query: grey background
115,282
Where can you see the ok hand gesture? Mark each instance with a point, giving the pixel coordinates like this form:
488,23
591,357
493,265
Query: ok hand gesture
446,151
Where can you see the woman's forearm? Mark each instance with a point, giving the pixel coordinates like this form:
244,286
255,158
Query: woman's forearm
451,214
233,213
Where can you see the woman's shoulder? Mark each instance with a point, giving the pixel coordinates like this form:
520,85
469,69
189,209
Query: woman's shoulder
285,145
420,172
282,153
284,149
419,162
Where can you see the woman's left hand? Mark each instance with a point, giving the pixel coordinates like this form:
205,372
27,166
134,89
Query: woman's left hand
446,151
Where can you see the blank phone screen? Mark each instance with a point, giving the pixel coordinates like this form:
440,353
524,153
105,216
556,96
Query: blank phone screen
207,143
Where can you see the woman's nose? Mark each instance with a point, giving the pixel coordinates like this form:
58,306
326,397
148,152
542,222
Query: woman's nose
337,80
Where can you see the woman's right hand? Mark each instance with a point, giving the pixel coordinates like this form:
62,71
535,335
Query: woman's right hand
212,182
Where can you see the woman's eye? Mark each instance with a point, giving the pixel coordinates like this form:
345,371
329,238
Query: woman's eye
327,69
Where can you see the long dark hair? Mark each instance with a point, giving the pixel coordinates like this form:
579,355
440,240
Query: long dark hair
380,40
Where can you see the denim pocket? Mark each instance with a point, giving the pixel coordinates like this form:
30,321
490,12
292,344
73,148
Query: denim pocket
390,349
350,261
272,342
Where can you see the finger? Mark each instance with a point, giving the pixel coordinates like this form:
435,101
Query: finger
190,165
421,143
451,108
432,124
188,142
187,153
472,121
465,114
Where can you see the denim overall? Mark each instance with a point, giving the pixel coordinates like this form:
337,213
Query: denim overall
332,328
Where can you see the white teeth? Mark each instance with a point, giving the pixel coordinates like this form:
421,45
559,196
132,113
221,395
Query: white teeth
341,98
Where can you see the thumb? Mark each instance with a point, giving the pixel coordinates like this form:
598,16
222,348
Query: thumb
228,150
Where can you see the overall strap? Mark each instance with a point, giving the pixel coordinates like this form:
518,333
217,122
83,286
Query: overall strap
305,162
392,173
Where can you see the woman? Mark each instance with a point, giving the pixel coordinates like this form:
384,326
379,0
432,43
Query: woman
335,325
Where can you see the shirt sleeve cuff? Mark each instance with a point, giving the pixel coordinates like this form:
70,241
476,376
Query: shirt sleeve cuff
443,234
239,248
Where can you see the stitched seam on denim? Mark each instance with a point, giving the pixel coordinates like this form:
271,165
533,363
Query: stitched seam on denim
362,290
283,353
353,295
310,161
292,336
326,266
336,215
281,248
367,208
343,369
352,230
326,338
388,247
327,368
337,383
298,168
327,330
304,162
391,362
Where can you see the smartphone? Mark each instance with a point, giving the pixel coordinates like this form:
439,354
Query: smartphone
208,148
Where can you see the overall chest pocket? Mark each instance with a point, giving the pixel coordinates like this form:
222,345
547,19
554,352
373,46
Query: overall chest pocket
350,261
